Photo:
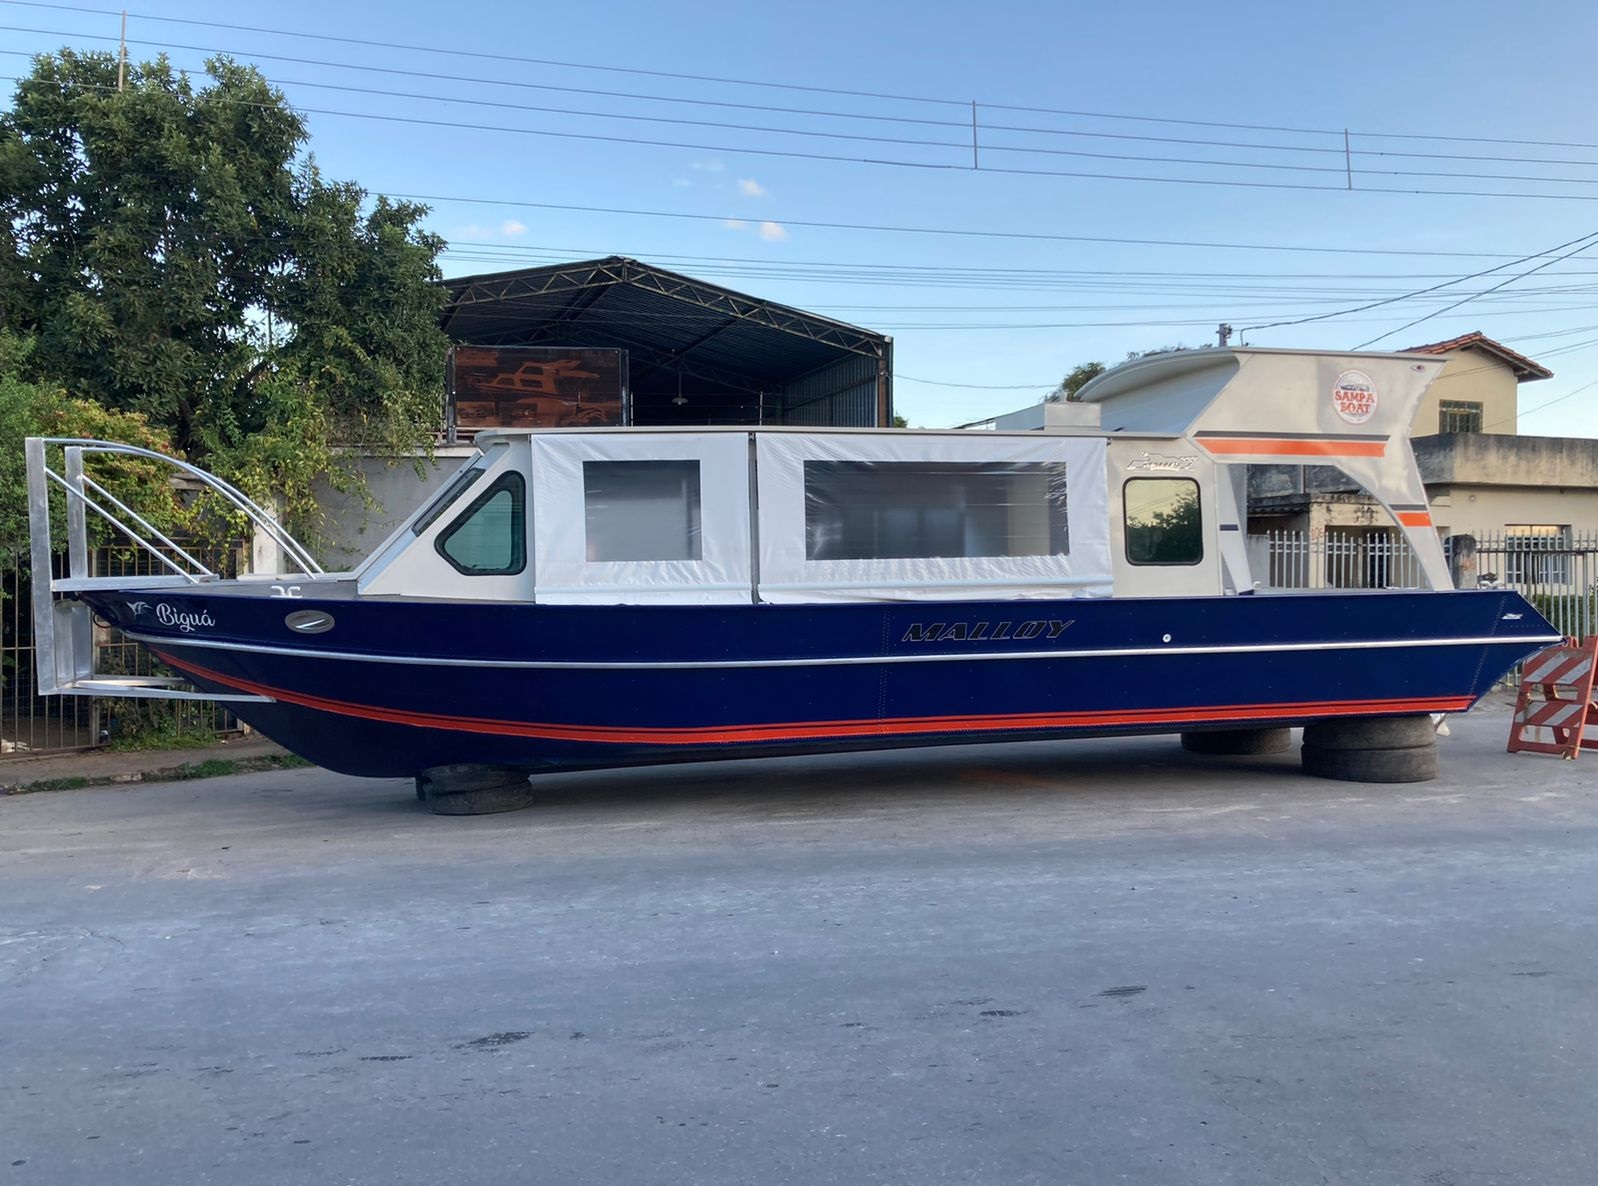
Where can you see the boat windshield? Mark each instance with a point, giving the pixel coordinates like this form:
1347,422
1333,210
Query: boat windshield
451,491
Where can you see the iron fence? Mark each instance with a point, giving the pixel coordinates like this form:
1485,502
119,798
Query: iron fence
1554,569
33,724
1358,559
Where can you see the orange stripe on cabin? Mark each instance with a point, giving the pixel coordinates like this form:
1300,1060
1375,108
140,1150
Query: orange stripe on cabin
1272,446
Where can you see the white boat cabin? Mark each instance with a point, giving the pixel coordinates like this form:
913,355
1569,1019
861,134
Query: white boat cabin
1149,503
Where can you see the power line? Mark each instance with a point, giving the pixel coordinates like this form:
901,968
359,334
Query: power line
894,163
978,386
882,228
962,104
1584,242
898,119
497,57
1424,291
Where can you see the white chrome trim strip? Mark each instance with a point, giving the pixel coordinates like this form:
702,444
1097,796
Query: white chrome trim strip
846,661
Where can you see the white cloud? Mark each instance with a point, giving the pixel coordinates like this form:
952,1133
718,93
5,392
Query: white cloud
511,228
708,166
681,182
734,224
773,232
750,188
473,231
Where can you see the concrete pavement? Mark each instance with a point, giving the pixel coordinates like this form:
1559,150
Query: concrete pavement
1086,962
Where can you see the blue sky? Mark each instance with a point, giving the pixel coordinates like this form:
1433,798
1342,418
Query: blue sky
1464,88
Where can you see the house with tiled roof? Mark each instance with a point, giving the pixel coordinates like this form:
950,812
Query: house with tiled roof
1479,390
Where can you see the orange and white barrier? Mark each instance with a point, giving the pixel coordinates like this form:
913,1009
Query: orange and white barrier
1556,694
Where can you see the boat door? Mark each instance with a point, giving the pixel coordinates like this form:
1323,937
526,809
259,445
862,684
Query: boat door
1164,519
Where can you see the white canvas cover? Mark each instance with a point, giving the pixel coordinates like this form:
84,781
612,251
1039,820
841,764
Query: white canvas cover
992,526
660,530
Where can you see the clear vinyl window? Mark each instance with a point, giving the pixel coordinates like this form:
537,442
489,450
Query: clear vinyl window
490,536
1164,524
889,510
641,510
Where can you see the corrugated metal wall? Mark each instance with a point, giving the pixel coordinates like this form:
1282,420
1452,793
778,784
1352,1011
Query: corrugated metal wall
842,394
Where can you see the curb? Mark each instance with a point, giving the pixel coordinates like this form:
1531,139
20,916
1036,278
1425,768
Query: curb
209,768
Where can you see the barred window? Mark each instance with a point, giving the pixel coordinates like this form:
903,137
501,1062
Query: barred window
1459,415
1537,554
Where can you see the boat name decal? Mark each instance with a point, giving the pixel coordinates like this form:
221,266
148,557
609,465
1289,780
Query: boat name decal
184,620
1158,463
1051,628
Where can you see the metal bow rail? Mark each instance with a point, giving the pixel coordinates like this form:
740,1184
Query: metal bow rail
64,629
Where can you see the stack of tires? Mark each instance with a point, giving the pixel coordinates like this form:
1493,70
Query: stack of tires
1375,749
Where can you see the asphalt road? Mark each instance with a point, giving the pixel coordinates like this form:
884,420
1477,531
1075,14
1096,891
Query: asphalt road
1097,962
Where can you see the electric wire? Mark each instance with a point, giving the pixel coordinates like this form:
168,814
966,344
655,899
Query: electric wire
1584,242
962,104
910,164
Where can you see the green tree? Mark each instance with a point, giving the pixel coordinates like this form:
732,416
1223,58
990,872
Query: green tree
173,253
40,410
1075,380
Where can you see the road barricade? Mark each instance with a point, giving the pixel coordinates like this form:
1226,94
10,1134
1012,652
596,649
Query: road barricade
1556,694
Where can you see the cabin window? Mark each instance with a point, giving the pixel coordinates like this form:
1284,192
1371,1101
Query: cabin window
641,510
892,510
490,536
1163,521
1458,415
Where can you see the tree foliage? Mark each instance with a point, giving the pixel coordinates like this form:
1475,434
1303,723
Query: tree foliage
1075,380
173,254
1080,376
39,410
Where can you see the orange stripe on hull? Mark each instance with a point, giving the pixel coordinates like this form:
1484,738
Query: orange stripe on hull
1268,446
824,730
1415,518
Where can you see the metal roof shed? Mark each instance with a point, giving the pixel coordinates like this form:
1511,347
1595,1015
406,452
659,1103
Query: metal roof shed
698,353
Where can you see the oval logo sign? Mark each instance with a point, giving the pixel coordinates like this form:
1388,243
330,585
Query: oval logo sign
1354,396
309,621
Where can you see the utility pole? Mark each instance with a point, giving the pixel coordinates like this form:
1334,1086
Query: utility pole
122,54
1223,334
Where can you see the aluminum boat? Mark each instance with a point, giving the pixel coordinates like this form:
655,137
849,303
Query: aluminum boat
592,598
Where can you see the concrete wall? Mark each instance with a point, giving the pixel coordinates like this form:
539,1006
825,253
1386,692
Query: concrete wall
1531,462
1488,510
1473,377
351,530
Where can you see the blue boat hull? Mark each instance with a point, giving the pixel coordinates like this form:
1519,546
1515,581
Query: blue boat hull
399,685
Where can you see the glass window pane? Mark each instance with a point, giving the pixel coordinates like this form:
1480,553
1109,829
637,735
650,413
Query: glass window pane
1163,521
490,538
893,510
642,510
